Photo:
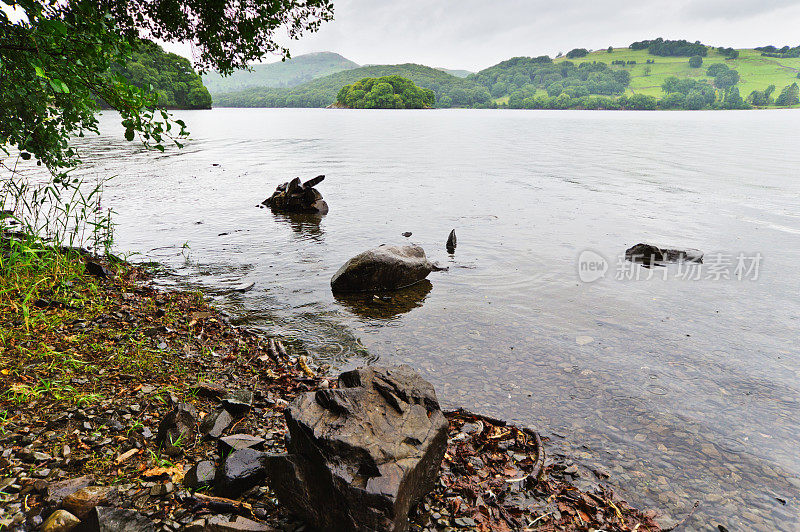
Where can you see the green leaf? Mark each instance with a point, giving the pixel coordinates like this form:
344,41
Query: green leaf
129,134
39,71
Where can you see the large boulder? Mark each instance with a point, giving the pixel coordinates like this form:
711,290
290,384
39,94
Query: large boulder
294,196
383,268
361,454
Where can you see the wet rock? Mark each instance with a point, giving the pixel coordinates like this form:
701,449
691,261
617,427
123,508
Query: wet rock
84,500
236,442
360,455
649,254
200,475
296,197
451,242
238,402
220,523
240,471
215,423
60,521
98,270
107,519
177,429
383,268
210,389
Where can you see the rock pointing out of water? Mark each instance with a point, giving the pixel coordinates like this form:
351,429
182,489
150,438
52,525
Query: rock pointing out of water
451,242
383,268
361,454
296,197
655,255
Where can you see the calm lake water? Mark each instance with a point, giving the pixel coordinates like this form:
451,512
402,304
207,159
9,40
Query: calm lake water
684,389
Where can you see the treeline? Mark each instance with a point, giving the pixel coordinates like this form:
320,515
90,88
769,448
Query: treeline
784,52
666,48
387,92
170,76
450,91
524,77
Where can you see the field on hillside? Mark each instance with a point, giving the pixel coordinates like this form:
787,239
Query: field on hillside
756,72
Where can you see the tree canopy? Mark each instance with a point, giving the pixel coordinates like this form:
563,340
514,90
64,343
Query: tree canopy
55,58
387,92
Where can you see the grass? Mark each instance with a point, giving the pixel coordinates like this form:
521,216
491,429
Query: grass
756,72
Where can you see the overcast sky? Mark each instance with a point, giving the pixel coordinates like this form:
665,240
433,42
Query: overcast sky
475,34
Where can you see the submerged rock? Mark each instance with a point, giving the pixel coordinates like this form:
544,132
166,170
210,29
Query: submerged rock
361,454
296,197
649,254
383,268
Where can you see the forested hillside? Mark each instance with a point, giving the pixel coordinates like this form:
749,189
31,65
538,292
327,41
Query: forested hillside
387,92
450,91
171,76
289,73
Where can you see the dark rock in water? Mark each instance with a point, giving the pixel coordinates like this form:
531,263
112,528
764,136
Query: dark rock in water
296,197
240,471
238,402
451,242
383,268
361,454
650,255
215,423
407,234
236,442
200,475
177,429
106,519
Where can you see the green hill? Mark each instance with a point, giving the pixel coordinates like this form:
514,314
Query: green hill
756,72
450,91
171,76
289,73
456,73
387,92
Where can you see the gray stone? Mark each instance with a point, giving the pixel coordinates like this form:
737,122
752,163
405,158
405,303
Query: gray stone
238,402
177,429
648,254
220,523
361,454
200,475
298,198
215,423
84,500
236,442
383,268
56,491
107,519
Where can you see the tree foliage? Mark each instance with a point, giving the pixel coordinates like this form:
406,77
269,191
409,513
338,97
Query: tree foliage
55,58
386,92
790,95
695,61
577,52
170,76
667,48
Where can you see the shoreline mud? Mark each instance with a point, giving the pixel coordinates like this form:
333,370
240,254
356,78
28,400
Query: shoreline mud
91,364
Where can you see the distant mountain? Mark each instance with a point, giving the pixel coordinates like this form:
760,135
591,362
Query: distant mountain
289,73
451,91
456,73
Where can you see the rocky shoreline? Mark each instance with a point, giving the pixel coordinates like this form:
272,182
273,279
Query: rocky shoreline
92,365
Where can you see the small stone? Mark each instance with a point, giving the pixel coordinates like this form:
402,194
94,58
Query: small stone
56,491
465,522
236,442
215,423
238,402
106,519
84,500
60,521
220,523
177,429
200,475
241,470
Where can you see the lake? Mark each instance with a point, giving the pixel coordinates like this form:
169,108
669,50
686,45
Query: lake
681,383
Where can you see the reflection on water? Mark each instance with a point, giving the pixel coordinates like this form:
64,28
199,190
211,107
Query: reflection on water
304,224
386,305
682,390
